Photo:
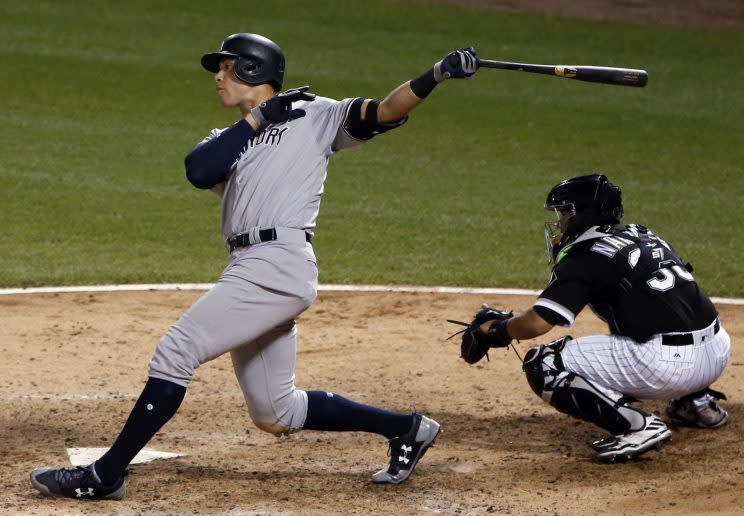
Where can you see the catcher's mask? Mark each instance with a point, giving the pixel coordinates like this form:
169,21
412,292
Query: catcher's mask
580,203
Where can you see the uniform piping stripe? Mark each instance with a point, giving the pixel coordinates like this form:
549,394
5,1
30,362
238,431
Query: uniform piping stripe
559,309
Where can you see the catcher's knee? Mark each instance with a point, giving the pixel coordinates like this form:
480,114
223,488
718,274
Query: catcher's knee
576,396
542,363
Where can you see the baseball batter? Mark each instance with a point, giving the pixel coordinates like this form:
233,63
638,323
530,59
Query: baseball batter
665,343
268,169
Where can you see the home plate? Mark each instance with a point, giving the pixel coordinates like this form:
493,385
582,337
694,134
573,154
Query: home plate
84,456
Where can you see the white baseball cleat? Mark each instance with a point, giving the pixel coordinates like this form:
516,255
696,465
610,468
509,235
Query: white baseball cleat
406,450
628,446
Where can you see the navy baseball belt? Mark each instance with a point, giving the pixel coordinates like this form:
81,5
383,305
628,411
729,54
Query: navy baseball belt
256,237
685,339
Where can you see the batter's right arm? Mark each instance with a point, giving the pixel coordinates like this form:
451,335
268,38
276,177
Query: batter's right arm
459,64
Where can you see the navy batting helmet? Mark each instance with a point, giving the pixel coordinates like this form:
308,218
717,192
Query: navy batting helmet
259,60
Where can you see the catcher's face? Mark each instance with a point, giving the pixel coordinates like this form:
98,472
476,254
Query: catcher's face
556,229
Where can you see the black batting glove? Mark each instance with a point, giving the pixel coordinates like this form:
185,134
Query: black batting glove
278,108
459,64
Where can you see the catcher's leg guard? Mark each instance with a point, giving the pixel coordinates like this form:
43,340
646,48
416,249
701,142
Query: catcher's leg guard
576,396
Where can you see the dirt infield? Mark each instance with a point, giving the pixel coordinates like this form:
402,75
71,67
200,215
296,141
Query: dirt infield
74,363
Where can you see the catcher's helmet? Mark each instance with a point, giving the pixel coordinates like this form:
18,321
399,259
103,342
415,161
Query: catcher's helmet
259,60
580,203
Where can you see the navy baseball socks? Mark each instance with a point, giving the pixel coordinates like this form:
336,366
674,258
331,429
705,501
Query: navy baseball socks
104,479
410,435
333,413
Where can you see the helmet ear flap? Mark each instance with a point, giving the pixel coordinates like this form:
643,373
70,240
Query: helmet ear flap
259,60
246,68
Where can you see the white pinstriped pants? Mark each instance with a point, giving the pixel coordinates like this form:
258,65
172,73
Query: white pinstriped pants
649,370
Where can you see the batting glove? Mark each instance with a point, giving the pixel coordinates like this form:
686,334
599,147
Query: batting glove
459,64
278,108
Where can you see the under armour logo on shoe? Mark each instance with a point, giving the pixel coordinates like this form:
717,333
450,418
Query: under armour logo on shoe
677,355
406,450
80,493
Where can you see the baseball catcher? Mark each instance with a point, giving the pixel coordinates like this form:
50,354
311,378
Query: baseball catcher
665,339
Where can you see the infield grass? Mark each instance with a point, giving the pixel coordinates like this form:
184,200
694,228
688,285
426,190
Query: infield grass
102,100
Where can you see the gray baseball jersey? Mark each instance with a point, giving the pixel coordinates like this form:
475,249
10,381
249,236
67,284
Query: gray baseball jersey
278,179
277,182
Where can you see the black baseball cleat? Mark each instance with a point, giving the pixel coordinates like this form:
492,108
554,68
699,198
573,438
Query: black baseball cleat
683,412
406,450
80,482
619,448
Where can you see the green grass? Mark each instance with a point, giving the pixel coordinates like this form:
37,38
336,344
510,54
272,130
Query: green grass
101,101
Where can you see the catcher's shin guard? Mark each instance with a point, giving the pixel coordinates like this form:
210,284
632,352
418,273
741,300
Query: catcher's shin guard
541,362
576,396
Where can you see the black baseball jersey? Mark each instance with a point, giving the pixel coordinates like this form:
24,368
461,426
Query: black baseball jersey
630,278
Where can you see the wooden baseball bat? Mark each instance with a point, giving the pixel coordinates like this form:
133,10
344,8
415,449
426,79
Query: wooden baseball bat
602,74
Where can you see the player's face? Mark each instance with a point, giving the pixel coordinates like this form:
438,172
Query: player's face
564,219
231,91
563,215
554,230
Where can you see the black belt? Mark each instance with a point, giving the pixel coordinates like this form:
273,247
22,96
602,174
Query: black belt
684,339
264,235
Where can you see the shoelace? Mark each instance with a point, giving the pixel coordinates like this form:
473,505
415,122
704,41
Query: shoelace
392,442
66,475
390,446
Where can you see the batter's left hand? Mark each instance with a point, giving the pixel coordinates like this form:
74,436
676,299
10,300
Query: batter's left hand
278,108
459,64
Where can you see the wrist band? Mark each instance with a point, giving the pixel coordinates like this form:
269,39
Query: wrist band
498,334
259,118
422,85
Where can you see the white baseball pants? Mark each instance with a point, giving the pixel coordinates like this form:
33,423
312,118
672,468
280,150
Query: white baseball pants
649,370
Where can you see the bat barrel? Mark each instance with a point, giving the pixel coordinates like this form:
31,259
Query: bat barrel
605,75
599,74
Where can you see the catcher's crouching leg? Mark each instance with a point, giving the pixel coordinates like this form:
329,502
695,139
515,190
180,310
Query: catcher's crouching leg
576,396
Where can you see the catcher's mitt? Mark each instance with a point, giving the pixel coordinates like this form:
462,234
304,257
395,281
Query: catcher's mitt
475,344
